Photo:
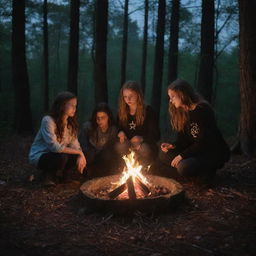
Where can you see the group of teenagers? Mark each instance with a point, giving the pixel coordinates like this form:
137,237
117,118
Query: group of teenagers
96,150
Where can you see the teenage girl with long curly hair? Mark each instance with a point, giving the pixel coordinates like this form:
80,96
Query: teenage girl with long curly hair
56,149
97,138
199,149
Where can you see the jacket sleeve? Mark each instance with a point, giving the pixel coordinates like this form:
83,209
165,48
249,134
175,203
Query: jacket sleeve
48,127
201,133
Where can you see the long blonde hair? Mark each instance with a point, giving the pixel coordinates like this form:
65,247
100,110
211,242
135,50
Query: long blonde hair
179,116
123,108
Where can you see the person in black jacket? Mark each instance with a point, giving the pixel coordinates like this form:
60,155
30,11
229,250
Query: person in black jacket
138,128
199,149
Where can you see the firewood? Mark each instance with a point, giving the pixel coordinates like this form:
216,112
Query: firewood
117,191
143,187
131,190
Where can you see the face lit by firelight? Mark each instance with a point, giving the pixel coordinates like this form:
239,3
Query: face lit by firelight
70,107
102,120
175,99
130,97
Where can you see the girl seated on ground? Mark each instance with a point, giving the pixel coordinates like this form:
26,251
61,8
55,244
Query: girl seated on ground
200,148
56,150
97,138
138,128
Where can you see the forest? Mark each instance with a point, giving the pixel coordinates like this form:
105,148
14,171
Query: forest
90,48
131,53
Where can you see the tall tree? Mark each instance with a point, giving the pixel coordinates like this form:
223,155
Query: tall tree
124,43
174,39
100,67
205,76
73,46
159,59
46,57
23,117
144,49
247,76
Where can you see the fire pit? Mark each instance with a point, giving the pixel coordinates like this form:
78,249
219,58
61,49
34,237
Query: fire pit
132,190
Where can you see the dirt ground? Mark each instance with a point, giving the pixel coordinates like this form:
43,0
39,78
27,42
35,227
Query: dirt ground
35,220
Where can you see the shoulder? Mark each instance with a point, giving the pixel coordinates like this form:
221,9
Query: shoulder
87,126
47,120
204,108
203,111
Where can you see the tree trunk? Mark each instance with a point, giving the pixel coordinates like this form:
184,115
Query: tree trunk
46,58
205,77
174,40
73,46
124,43
247,76
144,49
23,117
159,58
100,68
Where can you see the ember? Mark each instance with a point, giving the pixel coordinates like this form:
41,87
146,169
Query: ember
131,190
132,182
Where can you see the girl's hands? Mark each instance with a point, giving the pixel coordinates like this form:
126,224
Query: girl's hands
121,136
166,146
176,161
136,141
81,162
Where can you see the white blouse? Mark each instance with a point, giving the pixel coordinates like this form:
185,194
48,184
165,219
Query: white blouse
46,140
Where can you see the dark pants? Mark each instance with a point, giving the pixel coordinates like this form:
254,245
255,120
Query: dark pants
57,164
203,166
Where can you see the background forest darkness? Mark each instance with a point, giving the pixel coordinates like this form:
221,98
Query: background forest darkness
226,66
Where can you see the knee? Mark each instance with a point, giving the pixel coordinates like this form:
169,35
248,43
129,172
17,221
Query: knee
184,168
62,159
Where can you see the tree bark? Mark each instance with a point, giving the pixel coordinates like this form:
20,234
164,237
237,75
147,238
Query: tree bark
124,43
205,77
100,68
45,58
174,40
73,46
23,117
144,49
247,76
159,59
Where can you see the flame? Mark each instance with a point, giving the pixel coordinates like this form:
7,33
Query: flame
132,168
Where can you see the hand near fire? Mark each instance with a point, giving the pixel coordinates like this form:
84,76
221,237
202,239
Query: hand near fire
136,142
81,163
166,146
176,161
121,136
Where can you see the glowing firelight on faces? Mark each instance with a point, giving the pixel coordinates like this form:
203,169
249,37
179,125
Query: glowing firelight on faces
133,169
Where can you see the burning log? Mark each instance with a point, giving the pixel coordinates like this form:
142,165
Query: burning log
117,191
131,190
143,187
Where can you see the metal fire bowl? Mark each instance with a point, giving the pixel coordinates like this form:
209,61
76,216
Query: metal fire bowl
161,203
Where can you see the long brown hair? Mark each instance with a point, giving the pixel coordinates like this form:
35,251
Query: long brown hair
123,109
57,113
188,97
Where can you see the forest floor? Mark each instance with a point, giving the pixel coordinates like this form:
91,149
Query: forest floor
35,220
